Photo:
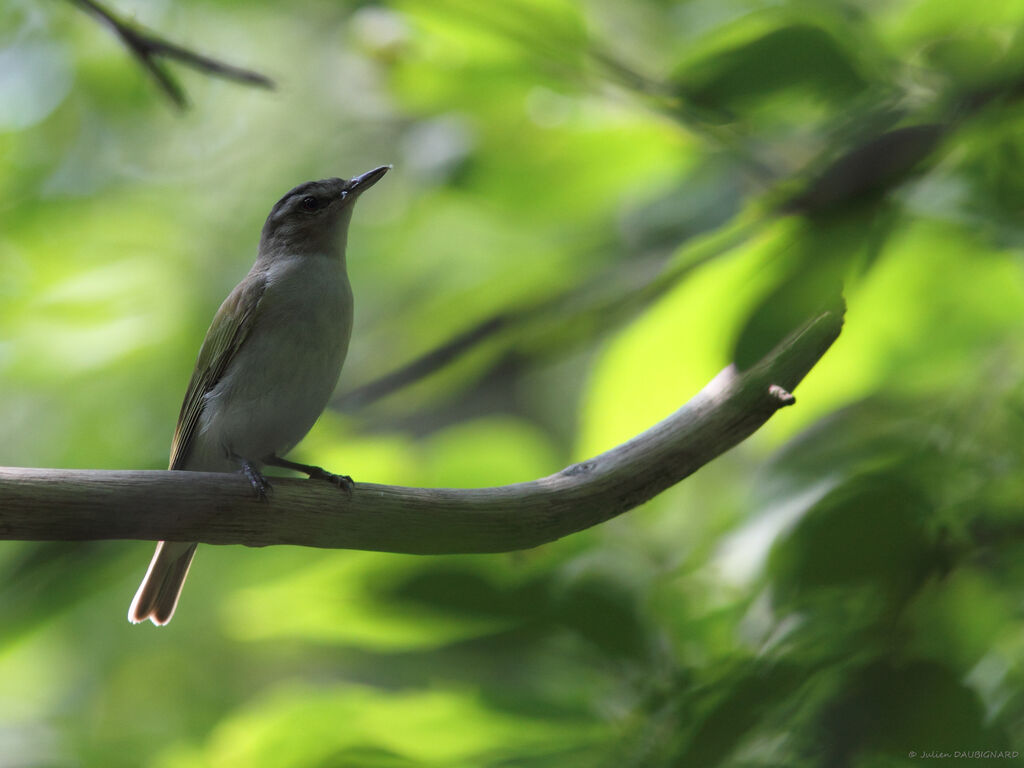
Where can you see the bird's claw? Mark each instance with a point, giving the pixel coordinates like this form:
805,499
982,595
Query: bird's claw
344,482
260,485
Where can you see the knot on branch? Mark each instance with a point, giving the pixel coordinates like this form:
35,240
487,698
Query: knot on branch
781,395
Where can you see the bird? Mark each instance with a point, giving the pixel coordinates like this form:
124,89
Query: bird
268,365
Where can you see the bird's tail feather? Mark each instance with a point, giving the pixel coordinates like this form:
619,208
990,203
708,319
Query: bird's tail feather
160,589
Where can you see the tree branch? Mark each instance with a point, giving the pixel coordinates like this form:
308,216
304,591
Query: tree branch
586,307
426,364
75,505
147,48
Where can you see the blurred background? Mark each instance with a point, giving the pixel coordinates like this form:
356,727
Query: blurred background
602,203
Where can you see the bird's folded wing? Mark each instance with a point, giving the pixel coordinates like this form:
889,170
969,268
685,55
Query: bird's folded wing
225,337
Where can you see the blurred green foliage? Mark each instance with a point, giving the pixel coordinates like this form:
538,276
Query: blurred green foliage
642,192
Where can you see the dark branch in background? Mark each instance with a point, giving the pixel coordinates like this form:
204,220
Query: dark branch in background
566,309
426,364
78,505
148,50
870,167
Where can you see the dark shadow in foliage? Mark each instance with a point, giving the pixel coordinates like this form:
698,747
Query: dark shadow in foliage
891,709
870,531
596,606
990,163
602,611
507,668
867,170
874,434
752,692
800,56
465,590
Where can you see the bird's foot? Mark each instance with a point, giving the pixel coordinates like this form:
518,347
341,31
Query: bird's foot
315,473
260,485
341,481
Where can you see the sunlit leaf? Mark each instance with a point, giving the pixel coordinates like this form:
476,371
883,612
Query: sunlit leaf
298,725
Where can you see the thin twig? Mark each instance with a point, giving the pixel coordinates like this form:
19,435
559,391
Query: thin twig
426,364
148,49
562,309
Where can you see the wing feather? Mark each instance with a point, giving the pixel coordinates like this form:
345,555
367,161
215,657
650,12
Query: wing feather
227,333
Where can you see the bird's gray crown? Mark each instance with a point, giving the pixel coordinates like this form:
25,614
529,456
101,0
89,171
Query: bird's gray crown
313,217
324,188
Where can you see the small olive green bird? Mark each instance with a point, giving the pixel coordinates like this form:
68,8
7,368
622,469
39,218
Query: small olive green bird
269,363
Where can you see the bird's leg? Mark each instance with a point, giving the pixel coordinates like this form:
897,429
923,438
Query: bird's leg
315,473
260,484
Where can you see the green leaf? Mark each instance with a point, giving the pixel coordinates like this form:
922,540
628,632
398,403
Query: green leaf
870,531
891,709
797,57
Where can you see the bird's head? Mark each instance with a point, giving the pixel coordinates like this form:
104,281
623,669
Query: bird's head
313,217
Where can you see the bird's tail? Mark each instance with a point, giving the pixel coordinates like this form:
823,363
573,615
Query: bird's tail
159,592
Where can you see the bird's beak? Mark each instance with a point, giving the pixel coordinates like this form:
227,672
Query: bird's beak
367,180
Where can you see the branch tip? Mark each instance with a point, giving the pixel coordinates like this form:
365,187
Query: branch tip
780,394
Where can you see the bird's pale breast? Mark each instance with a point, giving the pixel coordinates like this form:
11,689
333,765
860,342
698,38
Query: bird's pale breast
278,383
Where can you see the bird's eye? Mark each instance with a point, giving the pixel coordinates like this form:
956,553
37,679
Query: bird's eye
310,203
